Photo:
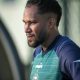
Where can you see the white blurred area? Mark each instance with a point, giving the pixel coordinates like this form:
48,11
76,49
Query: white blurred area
11,12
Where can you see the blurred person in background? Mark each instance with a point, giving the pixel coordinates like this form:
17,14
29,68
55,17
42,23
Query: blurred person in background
56,57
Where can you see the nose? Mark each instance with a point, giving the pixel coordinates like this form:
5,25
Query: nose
27,28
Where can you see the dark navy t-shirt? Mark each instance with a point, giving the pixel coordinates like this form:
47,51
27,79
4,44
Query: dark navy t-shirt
69,57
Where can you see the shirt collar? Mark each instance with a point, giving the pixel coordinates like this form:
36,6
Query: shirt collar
52,44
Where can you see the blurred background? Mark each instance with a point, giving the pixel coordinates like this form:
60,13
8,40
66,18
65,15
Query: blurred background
15,54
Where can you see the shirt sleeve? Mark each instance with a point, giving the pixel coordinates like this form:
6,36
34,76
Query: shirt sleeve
76,70
70,60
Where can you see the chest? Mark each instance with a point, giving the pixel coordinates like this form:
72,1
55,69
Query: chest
46,67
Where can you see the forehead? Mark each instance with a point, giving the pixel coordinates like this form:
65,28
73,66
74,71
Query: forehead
31,12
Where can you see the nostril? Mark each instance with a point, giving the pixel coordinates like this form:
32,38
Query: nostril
27,29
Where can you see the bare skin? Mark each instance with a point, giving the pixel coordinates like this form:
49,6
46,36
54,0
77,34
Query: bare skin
40,29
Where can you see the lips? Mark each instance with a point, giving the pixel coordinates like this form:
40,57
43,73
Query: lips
30,37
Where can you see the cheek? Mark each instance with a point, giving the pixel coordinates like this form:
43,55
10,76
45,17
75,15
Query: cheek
35,31
39,30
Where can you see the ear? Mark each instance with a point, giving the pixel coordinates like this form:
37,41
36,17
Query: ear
52,22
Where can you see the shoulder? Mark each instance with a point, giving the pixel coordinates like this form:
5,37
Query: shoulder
67,49
69,54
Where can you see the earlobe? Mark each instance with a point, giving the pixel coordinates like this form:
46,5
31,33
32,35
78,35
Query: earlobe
51,23
53,20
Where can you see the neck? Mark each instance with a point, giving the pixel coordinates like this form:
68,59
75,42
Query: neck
49,41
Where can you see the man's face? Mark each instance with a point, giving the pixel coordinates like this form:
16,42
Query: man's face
35,25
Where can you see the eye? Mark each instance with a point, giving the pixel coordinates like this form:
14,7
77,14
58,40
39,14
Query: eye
33,22
30,22
24,21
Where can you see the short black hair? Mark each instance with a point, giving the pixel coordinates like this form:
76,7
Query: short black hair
47,6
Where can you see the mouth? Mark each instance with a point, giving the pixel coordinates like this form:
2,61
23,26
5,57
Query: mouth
30,37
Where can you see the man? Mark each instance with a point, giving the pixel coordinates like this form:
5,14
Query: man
56,57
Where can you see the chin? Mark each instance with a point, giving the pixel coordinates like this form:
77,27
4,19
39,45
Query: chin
33,45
